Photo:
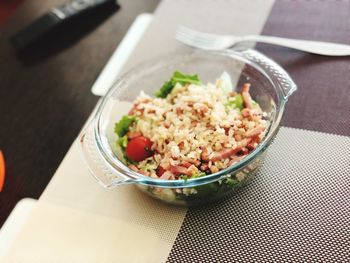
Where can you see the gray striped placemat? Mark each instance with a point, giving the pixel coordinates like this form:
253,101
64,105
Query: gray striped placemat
297,208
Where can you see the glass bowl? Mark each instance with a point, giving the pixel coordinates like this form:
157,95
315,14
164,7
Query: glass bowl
270,87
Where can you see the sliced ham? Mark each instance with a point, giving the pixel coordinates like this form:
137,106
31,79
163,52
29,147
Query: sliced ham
244,142
178,170
226,153
186,164
167,176
192,161
255,131
236,159
247,99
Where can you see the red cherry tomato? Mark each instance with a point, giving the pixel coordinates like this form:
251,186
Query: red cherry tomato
139,148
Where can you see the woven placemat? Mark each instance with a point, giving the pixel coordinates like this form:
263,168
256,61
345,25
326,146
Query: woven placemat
296,208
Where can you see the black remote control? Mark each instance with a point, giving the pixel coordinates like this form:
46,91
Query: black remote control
57,16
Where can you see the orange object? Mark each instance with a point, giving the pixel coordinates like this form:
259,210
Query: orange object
2,170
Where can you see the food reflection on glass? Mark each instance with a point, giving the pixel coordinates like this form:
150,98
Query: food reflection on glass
190,129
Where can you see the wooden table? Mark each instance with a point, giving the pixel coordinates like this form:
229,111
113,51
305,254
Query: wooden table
45,96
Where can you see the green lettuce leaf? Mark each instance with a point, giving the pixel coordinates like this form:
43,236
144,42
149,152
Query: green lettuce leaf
123,142
235,102
165,90
200,174
177,77
183,79
122,127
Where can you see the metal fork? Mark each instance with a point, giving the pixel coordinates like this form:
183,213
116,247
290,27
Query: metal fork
219,42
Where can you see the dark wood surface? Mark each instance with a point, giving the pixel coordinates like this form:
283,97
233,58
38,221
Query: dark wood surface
45,93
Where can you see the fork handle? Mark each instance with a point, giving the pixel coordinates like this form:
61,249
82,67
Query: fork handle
315,47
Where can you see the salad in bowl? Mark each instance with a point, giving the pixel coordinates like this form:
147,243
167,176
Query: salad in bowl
190,129
192,139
